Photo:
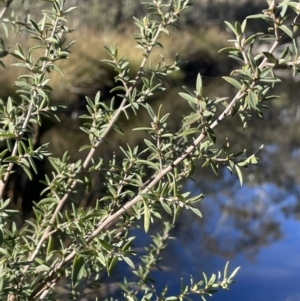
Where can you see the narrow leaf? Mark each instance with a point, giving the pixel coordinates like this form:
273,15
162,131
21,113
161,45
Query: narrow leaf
146,217
77,270
239,173
233,82
199,84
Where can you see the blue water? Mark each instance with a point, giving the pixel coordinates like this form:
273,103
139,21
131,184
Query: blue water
274,275
256,233
270,268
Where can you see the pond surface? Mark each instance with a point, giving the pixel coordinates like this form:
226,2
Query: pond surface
270,268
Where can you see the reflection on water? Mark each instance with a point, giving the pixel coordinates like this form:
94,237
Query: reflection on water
246,225
275,273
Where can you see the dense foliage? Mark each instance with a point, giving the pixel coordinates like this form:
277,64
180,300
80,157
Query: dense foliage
72,239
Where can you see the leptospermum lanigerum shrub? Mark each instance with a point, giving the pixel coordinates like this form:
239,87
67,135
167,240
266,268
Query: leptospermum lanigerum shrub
66,247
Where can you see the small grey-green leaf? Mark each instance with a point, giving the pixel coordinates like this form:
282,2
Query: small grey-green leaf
285,29
78,269
146,217
252,99
270,57
188,97
199,84
233,82
239,173
129,262
196,211
226,270
233,273
112,264
231,27
105,245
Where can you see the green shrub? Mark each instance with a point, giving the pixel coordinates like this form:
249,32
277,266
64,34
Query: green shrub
69,243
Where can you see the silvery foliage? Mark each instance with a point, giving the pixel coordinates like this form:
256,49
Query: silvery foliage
74,245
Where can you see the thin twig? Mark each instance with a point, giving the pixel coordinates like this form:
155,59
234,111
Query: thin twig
89,157
22,132
26,121
104,224
39,290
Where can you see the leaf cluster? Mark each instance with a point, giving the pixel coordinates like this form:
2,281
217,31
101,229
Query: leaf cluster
72,242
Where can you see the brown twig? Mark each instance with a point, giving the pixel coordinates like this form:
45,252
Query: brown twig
43,287
89,157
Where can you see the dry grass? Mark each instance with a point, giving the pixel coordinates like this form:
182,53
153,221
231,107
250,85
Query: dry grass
83,70
85,73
